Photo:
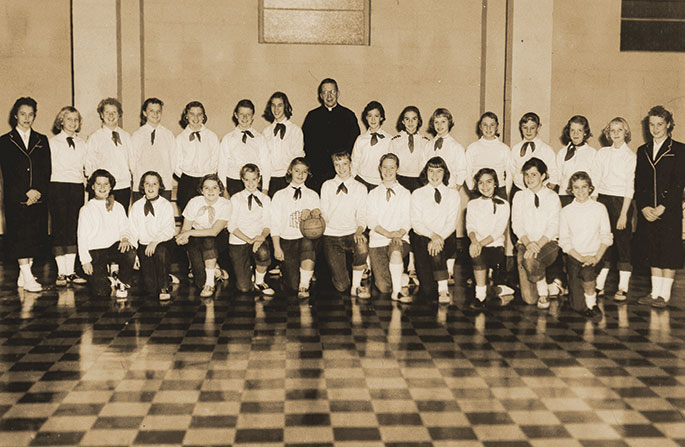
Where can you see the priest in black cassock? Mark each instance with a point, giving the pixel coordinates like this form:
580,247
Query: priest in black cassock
327,129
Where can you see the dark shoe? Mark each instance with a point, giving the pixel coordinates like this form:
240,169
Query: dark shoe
659,303
477,304
595,314
646,300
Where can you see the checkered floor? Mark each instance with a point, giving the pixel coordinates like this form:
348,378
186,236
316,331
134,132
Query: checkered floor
335,371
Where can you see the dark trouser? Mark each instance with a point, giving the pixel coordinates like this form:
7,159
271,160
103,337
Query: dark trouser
188,187
369,186
234,186
430,269
335,249
276,184
102,257
166,194
201,249
411,183
490,258
66,199
380,264
242,257
577,275
619,251
536,268
155,269
296,251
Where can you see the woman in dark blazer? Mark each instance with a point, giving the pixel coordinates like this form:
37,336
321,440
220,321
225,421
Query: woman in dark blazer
659,182
26,166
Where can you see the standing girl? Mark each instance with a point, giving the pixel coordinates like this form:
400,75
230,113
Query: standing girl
615,177
153,228
203,219
584,235
486,221
197,153
288,206
370,146
488,152
283,138
576,155
409,146
26,168
241,146
531,146
68,151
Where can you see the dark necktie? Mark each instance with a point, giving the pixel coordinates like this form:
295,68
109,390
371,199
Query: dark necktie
438,144
109,202
570,152
280,127
437,196
152,137
70,142
148,208
246,133
116,138
411,143
252,197
298,193
537,201
525,147
388,193
194,135
375,136
497,201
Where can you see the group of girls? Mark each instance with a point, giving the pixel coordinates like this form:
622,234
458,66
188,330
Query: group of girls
393,204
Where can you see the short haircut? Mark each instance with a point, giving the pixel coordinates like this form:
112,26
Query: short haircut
340,155
327,81
400,125
250,167
214,177
143,118
662,112
294,162
618,120
184,120
481,172
100,173
580,175
578,119
537,164
373,105
440,112
435,163
391,156
58,125
141,185
109,102
287,107
530,116
23,101
246,103
490,115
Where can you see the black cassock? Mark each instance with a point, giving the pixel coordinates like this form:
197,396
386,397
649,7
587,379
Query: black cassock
26,227
659,181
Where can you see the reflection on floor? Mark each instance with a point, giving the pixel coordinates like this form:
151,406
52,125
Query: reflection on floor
335,371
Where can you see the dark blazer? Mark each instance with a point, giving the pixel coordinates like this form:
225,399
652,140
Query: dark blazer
325,133
660,180
24,168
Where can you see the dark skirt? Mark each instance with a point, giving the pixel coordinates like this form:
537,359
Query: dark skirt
26,230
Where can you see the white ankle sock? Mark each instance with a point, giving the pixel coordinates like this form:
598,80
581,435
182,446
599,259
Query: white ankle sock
450,266
591,300
209,281
357,278
656,286
69,261
305,277
481,292
442,285
666,285
259,277
396,277
60,261
542,287
623,280
602,278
